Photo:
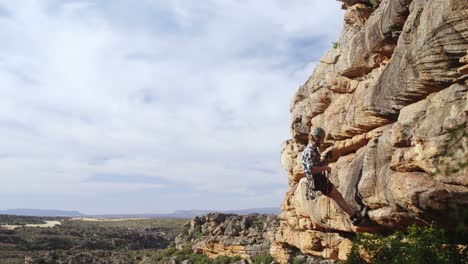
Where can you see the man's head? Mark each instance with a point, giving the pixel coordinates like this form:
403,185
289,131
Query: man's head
317,135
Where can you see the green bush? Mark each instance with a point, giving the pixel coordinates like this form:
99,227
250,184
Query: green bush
262,259
374,3
187,250
225,260
165,254
199,258
185,231
299,260
417,245
459,214
259,221
198,232
187,254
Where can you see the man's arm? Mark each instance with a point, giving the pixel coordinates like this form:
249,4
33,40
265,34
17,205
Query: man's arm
308,164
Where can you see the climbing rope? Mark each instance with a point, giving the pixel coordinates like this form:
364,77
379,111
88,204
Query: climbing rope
328,206
328,226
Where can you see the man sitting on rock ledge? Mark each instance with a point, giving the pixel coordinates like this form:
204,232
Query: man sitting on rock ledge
316,179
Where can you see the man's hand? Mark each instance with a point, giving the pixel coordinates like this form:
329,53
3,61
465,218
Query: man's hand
320,169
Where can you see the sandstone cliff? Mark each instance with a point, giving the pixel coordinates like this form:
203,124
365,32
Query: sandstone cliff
217,234
392,97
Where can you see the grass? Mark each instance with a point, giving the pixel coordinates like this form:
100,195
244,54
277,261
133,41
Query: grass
168,224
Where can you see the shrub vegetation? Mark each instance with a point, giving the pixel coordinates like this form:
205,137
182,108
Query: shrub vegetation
416,245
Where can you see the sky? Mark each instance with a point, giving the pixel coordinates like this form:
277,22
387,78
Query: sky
151,106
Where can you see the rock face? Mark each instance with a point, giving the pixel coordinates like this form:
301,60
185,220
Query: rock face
217,234
392,97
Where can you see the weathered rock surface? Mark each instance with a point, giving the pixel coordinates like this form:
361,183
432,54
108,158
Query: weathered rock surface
392,97
217,234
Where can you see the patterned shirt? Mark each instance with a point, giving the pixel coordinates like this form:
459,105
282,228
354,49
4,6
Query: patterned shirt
310,159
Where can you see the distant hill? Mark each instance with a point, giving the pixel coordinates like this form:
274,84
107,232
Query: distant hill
192,213
40,212
175,214
270,210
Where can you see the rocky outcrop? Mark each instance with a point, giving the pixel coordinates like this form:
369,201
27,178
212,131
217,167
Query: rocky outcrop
392,97
217,234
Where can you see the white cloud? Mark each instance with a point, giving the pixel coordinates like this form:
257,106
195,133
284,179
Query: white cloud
190,92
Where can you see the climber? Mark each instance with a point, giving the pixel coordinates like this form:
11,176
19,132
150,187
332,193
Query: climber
316,179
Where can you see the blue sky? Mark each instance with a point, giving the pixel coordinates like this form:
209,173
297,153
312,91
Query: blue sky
152,106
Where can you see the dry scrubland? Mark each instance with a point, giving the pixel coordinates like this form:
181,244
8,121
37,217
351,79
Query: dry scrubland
42,240
81,241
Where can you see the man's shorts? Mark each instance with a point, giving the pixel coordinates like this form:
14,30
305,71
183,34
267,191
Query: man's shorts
321,183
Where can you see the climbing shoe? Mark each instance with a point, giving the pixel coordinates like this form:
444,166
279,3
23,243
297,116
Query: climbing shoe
356,219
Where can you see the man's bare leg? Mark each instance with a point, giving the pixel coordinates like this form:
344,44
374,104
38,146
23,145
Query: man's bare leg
336,196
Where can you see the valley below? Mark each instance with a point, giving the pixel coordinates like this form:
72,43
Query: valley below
84,240
213,238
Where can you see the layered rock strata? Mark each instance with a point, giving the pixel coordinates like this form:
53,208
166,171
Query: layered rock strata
392,97
217,234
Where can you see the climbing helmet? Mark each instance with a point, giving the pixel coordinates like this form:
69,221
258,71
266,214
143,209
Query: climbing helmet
318,132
